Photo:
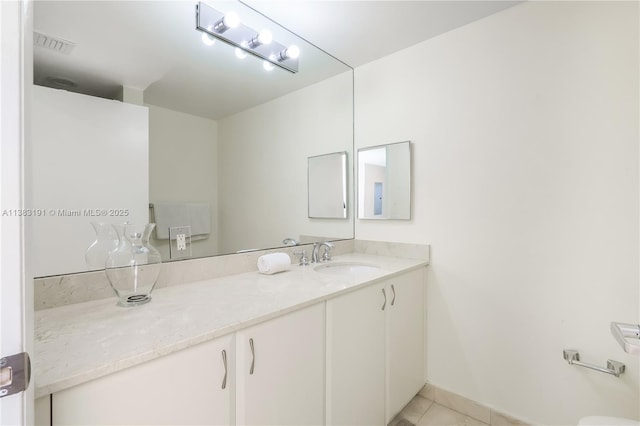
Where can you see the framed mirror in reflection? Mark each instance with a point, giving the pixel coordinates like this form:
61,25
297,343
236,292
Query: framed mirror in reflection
384,182
152,114
327,186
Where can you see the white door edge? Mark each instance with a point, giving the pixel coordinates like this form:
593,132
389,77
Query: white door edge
15,76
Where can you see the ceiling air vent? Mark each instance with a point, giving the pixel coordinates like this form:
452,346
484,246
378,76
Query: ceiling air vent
52,43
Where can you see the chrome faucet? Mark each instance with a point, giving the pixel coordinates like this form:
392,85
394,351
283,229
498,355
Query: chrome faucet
315,255
304,260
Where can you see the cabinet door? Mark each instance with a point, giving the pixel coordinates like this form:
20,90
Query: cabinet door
355,357
405,339
185,387
280,373
42,411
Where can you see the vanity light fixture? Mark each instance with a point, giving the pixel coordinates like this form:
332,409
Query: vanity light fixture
228,21
228,28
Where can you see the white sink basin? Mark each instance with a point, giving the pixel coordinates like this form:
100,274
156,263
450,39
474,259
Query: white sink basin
345,268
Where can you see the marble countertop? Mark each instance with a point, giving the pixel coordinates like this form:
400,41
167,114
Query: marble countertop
80,342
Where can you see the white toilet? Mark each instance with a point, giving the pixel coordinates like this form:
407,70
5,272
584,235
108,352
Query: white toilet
622,333
606,421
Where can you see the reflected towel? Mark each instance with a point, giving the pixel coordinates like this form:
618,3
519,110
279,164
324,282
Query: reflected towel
171,215
274,262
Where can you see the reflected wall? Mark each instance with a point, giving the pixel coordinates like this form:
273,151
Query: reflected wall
255,212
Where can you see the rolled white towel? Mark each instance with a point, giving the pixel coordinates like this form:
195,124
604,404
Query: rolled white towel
274,262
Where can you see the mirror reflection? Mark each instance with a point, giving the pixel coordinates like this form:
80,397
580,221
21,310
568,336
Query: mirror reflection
153,115
384,182
327,182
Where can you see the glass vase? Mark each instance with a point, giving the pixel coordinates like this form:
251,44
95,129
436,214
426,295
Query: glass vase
106,242
133,268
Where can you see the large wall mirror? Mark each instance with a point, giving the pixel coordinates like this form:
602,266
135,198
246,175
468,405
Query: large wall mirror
145,110
384,182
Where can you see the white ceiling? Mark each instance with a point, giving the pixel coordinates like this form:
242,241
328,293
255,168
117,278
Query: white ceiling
360,31
153,46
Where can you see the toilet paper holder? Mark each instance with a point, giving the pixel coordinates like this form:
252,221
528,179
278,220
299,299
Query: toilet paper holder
615,368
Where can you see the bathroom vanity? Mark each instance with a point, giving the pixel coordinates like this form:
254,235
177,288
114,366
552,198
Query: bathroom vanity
311,345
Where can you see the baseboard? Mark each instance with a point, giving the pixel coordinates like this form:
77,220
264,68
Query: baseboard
469,407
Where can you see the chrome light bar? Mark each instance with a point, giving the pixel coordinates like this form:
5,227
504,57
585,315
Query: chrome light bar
243,37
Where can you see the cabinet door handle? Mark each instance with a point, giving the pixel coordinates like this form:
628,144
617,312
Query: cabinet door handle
393,300
253,356
384,293
224,362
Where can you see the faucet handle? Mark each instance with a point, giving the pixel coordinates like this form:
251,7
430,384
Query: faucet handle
304,260
326,256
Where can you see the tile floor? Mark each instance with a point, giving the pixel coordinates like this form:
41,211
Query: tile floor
425,412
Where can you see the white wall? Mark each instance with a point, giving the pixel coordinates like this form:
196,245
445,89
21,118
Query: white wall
255,213
525,127
86,153
183,168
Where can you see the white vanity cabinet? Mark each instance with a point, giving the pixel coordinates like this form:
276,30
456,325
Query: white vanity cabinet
280,370
353,357
375,350
192,386
42,411
356,357
405,339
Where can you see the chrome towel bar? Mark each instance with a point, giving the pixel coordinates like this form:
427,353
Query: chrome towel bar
614,368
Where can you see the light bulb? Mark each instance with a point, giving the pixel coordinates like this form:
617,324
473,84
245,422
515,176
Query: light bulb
267,65
292,52
228,21
264,37
207,39
240,54
231,20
